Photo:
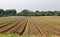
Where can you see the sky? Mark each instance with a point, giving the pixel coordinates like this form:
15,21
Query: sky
32,5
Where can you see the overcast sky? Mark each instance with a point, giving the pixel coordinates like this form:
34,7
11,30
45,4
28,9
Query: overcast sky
30,4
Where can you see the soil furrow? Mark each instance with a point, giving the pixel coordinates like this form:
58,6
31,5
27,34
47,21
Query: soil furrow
36,26
8,26
13,29
7,23
22,28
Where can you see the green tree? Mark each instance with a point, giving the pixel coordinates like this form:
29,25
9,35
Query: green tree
37,13
49,13
2,12
25,12
12,12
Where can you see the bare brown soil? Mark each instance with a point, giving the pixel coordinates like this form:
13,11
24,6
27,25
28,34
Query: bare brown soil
30,26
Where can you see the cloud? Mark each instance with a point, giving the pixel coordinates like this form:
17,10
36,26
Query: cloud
30,4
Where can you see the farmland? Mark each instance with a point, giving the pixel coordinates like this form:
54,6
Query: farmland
42,25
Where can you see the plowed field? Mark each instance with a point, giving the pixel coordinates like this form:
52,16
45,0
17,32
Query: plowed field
30,25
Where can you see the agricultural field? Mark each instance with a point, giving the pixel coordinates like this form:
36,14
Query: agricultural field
47,26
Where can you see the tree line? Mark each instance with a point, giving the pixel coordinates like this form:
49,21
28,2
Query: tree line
25,12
